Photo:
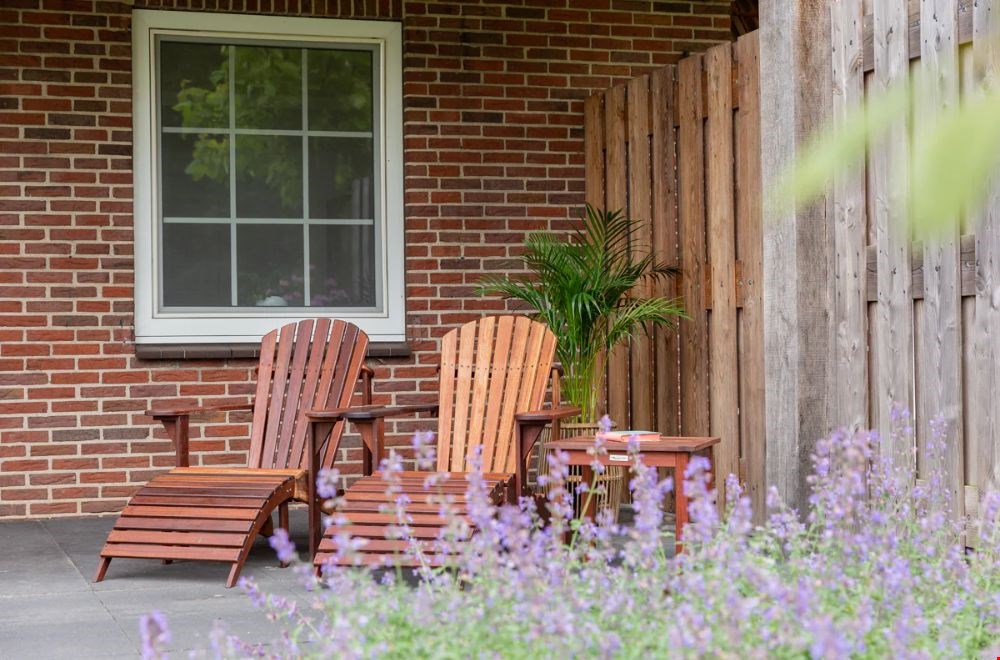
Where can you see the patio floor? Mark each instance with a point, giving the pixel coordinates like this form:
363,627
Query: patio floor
50,609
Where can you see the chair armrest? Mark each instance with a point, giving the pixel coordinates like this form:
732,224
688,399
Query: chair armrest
157,413
369,413
547,414
530,425
175,421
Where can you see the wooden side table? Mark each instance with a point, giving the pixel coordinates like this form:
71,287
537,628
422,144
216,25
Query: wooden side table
667,452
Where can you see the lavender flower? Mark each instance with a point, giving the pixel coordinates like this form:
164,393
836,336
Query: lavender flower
282,545
154,633
328,483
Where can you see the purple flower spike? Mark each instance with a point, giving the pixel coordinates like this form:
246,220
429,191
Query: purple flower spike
424,450
154,634
328,483
282,545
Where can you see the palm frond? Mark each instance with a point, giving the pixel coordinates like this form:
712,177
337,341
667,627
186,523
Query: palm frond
583,287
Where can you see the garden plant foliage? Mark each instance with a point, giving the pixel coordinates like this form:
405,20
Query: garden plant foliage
874,570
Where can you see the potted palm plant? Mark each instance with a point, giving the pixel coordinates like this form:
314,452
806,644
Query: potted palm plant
585,287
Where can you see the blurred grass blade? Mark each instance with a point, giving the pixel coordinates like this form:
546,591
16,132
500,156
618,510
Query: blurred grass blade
953,161
840,146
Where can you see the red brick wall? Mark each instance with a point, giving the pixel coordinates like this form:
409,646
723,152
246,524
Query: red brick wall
493,95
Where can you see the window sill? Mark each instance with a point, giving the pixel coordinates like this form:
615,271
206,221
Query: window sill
376,349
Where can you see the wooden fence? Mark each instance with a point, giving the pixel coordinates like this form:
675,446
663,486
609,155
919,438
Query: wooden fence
680,150
908,323
926,313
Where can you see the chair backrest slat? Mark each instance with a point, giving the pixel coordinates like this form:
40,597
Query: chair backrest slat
293,391
496,381
310,382
343,371
481,382
518,348
286,336
491,369
446,398
302,365
533,377
262,395
463,393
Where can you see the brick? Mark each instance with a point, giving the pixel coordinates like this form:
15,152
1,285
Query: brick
103,506
51,509
53,478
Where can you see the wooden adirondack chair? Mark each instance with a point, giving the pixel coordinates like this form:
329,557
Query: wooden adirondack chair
493,379
213,513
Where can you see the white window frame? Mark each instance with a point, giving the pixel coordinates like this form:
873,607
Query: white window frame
154,326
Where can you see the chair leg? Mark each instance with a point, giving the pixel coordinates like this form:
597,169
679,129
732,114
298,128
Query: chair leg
283,516
283,524
234,572
268,528
102,568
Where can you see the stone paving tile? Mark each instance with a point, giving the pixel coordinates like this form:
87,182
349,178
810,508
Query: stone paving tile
93,633
31,559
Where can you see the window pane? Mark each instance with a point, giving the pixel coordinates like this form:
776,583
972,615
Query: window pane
196,270
269,259
268,87
342,262
195,175
341,178
194,90
340,90
268,176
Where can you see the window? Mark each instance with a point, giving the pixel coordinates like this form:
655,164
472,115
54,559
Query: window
268,175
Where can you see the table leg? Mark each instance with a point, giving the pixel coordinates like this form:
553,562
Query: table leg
681,506
710,484
587,477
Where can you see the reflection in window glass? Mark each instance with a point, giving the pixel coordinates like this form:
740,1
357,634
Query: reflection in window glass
194,85
269,265
268,87
340,178
196,269
340,90
342,265
268,176
195,175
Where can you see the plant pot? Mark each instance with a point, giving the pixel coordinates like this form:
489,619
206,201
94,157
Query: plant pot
613,479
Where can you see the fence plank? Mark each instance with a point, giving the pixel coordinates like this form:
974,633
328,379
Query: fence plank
965,30
616,193
984,445
850,311
691,209
724,362
940,352
593,154
750,252
663,155
639,199
967,256
894,310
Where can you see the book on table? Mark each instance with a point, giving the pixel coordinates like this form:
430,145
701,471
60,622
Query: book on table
627,434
